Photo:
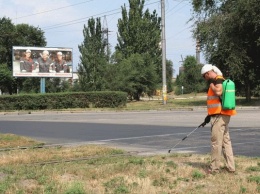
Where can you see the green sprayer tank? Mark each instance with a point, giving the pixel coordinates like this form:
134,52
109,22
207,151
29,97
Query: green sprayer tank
228,95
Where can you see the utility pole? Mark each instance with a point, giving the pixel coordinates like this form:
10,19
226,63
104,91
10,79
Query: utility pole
164,89
105,32
198,51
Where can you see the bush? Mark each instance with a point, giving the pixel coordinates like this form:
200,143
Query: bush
108,99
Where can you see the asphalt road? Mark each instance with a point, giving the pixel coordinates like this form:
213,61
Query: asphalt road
145,131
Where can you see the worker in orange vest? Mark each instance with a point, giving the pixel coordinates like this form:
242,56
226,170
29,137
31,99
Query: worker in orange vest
219,119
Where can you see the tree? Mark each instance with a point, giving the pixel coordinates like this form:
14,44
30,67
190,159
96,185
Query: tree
169,75
30,85
30,36
229,34
16,35
135,75
7,40
190,79
139,33
6,79
55,85
93,58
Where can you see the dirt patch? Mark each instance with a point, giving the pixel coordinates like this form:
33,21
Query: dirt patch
29,184
67,178
2,176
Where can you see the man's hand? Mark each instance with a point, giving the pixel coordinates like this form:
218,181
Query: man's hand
206,120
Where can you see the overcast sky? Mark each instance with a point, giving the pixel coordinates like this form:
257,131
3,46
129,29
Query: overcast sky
63,21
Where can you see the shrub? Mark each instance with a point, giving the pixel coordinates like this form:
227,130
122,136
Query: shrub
108,99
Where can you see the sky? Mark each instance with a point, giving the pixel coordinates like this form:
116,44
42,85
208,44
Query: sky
63,21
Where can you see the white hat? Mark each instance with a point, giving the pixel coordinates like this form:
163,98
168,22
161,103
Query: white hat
59,53
208,67
28,51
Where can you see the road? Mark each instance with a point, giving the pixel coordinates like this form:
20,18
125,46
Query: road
148,132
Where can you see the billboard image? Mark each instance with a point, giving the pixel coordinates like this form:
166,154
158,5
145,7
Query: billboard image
42,62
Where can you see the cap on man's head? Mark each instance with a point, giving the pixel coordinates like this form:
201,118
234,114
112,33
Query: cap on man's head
206,68
59,53
45,52
28,51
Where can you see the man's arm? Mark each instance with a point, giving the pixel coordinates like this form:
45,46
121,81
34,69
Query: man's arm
216,88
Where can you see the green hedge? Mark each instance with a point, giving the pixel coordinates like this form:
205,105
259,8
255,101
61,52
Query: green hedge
108,99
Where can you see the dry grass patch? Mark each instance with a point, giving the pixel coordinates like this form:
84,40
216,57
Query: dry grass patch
53,154
103,170
11,141
99,169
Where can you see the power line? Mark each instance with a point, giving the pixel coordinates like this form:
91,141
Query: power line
51,10
76,21
175,6
80,20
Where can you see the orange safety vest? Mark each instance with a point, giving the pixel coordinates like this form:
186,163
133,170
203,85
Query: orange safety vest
214,104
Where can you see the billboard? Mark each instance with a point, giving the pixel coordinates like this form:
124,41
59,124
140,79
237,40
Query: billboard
42,62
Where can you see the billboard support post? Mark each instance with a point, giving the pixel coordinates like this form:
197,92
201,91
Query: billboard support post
42,85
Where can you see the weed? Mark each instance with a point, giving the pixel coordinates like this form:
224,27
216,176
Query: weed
156,162
117,185
254,179
197,174
116,151
142,174
30,175
183,179
50,188
115,182
121,189
242,189
75,188
167,170
162,181
171,164
136,161
42,179
4,185
253,168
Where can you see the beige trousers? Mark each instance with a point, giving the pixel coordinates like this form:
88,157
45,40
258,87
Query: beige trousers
221,143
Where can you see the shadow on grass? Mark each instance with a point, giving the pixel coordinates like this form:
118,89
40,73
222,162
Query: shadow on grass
198,165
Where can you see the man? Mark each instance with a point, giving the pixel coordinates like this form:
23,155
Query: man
219,119
44,62
26,63
60,64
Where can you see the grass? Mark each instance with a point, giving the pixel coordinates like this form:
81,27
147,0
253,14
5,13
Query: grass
189,101
11,140
95,169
